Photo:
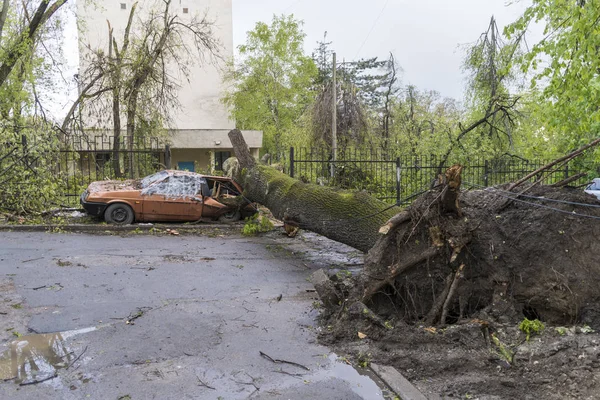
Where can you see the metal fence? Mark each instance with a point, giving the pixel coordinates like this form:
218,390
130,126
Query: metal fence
86,158
399,179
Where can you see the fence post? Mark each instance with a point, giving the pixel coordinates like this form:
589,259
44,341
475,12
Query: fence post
485,173
168,156
292,162
566,171
398,188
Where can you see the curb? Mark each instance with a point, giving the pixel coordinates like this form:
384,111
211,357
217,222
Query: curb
398,383
91,228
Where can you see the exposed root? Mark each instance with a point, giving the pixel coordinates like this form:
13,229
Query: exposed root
397,269
457,277
394,222
434,312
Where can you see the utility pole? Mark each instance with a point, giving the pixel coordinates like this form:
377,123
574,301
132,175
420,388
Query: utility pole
334,118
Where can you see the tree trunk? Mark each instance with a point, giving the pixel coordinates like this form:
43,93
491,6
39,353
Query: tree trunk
352,218
116,133
116,98
131,113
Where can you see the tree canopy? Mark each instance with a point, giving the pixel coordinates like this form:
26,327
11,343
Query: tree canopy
272,85
565,69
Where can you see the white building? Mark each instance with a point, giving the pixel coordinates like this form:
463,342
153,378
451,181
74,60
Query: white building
200,128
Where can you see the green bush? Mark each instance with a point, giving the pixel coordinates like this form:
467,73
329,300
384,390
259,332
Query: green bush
29,178
256,224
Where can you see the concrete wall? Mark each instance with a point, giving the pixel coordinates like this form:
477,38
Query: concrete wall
209,139
200,97
201,157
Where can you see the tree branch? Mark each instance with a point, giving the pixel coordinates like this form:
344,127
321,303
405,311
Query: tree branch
3,15
25,42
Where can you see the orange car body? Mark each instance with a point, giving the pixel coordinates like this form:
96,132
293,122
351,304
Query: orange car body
169,196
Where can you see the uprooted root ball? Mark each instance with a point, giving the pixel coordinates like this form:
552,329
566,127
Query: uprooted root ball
494,258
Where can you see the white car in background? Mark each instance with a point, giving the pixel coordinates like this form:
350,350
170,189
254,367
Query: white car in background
594,188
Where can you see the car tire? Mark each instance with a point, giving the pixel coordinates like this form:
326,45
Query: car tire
119,214
231,216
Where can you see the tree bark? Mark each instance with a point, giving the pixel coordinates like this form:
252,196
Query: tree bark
21,46
3,15
242,152
352,218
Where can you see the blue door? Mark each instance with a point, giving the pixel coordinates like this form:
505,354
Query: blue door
186,166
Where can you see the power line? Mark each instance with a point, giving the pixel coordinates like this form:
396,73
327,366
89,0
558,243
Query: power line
372,28
573,203
572,213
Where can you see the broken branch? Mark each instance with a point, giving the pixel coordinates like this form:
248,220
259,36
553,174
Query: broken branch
204,384
394,222
568,157
78,357
282,361
565,182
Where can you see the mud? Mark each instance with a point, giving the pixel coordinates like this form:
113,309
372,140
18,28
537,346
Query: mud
459,362
532,258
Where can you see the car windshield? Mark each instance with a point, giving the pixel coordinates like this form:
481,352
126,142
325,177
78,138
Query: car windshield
149,180
177,186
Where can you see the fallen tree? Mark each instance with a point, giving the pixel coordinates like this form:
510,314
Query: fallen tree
490,254
352,218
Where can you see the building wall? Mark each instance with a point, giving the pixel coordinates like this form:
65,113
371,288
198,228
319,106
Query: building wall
200,97
203,158
217,139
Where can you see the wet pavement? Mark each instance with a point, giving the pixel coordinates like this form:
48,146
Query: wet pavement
172,317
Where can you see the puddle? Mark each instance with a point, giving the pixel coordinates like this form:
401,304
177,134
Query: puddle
36,358
362,381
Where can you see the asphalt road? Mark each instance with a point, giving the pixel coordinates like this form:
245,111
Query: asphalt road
200,311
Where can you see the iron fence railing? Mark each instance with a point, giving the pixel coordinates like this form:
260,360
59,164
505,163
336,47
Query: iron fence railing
85,159
399,179
74,162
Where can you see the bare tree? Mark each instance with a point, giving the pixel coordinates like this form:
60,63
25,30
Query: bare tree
390,91
138,77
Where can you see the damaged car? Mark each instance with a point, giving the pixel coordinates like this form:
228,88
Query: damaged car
594,188
167,195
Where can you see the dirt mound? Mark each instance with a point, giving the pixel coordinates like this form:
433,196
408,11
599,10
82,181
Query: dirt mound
442,294
498,257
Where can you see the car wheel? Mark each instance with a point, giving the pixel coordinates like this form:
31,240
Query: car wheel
120,214
230,216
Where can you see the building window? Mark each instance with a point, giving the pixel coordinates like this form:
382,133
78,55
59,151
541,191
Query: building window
220,157
186,166
123,6
186,10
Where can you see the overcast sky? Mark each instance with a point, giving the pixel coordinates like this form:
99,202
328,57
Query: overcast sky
425,35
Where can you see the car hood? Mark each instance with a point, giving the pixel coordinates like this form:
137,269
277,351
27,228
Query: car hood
114,186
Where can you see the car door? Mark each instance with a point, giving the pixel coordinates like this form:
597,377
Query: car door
172,199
